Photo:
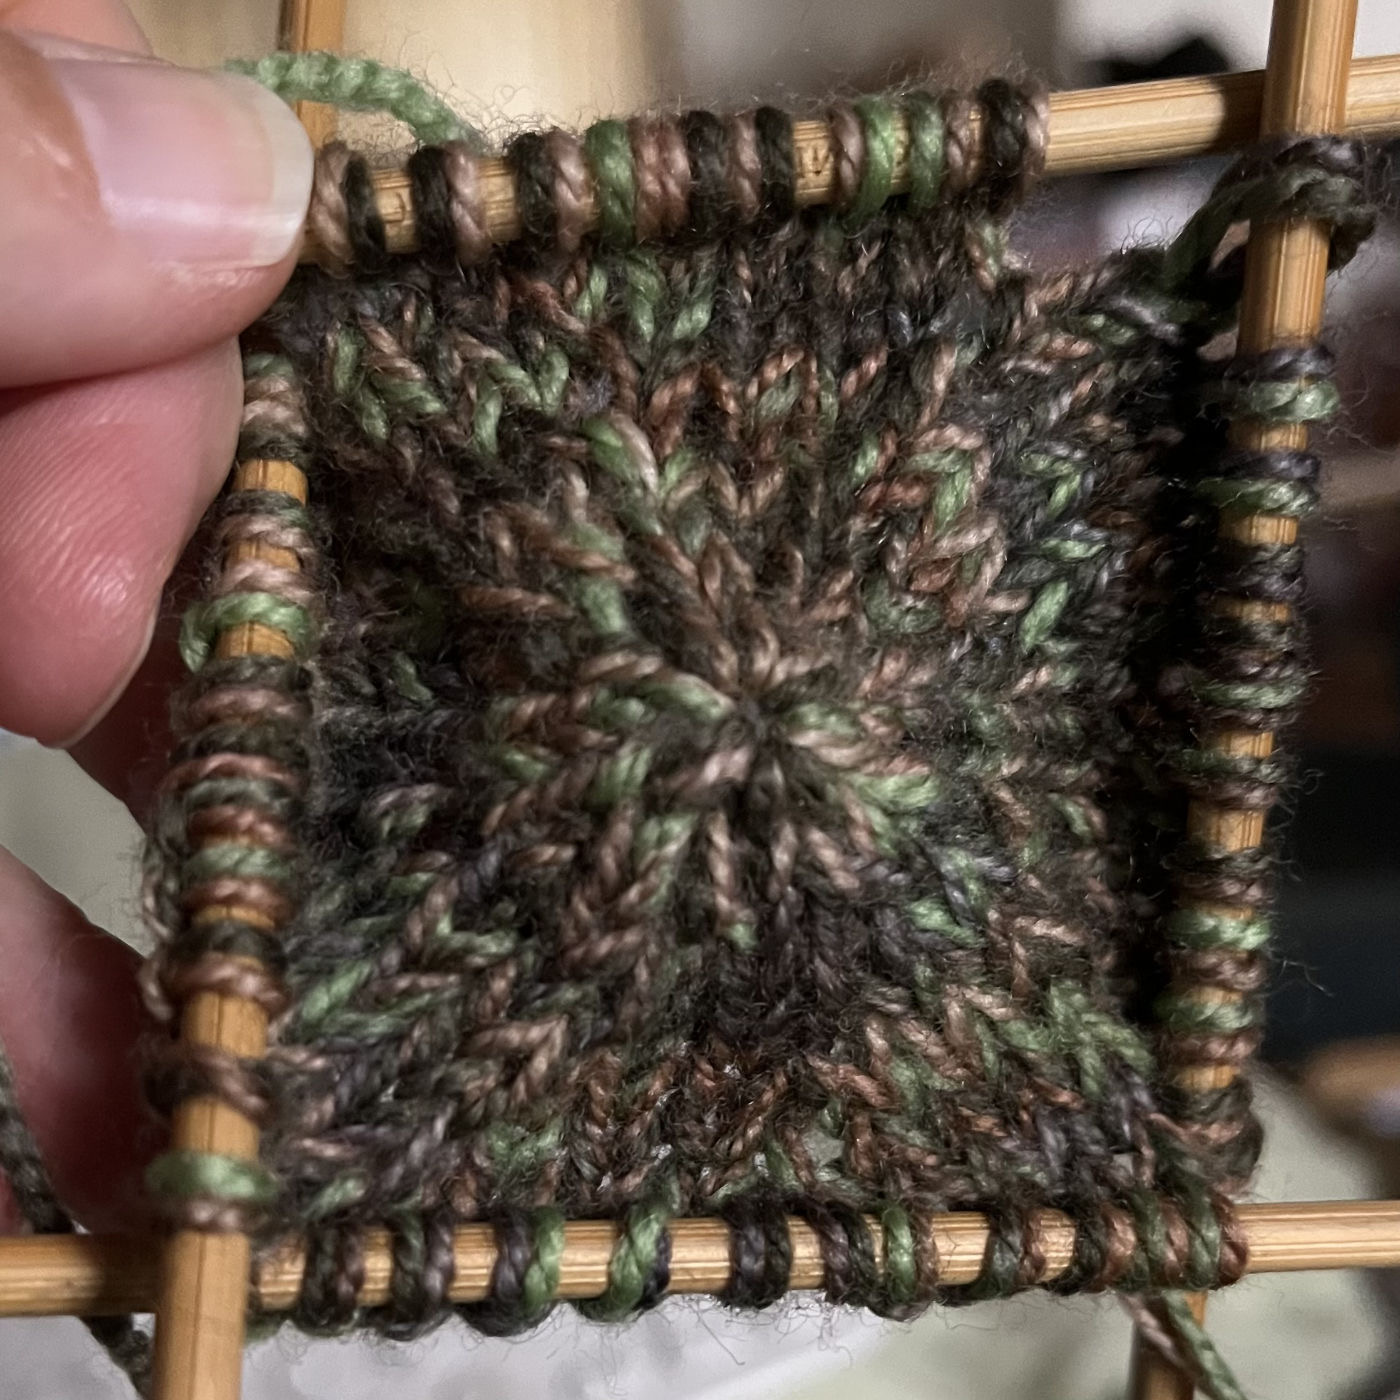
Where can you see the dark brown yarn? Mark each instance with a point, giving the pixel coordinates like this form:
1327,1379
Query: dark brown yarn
501,1315
773,130
362,221
432,205
334,1275
760,1252
528,158
706,145
848,1250
423,1273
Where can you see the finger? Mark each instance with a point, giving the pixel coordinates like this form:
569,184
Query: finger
149,210
103,482
70,1020
94,21
127,750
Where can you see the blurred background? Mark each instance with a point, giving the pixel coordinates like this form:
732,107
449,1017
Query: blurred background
1332,1095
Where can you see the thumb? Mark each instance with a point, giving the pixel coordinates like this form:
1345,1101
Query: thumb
149,210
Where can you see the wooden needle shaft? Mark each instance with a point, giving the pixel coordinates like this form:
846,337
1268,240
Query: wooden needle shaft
203,1297
201,1309
99,1275
1304,92
1109,128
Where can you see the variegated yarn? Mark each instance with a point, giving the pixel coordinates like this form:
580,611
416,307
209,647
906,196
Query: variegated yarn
745,668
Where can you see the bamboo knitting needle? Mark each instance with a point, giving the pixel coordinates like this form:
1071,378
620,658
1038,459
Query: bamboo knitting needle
1304,92
1109,128
200,1313
202,1304
101,1275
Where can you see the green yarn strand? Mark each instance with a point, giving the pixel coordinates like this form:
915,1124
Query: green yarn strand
360,85
229,859
877,118
1256,497
186,1173
609,151
541,1284
1295,401
1297,191
1213,1373
927,132
901,1259
1195,928
632,1264
203,622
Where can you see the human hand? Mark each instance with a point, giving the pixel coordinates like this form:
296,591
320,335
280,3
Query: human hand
149,213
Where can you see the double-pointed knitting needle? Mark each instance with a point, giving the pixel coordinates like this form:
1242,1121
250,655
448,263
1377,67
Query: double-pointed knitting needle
1108,128
1304,92
202,1304
112,1275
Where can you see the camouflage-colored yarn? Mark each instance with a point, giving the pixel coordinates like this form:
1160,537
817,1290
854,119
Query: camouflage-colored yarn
747,675
744,673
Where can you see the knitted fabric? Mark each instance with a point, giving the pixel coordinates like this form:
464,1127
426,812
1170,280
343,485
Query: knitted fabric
745,676
741,676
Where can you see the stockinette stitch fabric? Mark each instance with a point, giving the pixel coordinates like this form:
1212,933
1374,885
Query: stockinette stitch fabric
740,672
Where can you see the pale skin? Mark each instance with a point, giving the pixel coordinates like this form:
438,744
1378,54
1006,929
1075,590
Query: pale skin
119,400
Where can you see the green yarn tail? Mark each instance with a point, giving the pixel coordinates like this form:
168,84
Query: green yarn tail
1213,1374
361,85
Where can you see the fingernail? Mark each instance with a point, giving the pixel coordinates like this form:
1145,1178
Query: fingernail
61,46
199,168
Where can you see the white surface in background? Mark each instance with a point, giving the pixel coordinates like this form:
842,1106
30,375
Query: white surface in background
77,835
1240,27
